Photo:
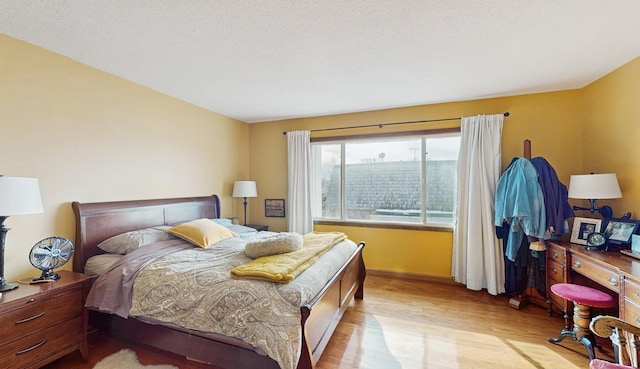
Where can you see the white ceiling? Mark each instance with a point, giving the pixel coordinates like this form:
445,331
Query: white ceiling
261,60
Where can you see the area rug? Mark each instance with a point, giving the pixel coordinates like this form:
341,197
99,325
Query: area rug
126,359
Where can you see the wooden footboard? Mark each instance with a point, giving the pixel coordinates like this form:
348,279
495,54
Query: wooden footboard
321,316
98,221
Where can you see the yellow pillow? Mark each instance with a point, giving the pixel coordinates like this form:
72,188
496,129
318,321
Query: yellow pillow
202,232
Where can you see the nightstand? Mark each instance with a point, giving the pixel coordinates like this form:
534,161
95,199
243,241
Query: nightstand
42,322
258,227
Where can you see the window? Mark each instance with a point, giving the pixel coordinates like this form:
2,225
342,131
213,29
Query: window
383,179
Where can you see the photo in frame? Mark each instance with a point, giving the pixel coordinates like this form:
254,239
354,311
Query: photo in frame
619,231
635,247
582,228
635,243
274,208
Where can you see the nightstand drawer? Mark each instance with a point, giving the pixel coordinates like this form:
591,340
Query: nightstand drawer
258,227
38,346
40,323
39,313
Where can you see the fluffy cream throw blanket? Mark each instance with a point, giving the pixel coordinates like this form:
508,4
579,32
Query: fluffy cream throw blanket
279,243
126,359
284,268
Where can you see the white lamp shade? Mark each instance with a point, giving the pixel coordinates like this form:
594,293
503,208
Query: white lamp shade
594,186
19,196
244,189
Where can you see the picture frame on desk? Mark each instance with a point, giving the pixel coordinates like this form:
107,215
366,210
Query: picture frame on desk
635,247
619,231
582,228
635,243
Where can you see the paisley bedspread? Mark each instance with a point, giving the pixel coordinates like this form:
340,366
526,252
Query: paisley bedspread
193,289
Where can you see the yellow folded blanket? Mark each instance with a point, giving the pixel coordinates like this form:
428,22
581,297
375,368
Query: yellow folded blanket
283,268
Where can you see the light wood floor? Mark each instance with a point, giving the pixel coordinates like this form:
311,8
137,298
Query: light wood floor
414,324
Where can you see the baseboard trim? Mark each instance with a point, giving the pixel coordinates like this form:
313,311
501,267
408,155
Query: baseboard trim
413,276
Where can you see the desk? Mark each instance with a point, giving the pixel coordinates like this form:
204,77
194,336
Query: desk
617,273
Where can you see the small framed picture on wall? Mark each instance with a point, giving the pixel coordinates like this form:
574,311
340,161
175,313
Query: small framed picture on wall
274,208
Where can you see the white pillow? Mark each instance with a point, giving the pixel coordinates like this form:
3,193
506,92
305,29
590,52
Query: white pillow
99,264
127,242
241,229
223,221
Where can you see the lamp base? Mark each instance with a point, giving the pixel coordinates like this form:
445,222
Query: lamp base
8,286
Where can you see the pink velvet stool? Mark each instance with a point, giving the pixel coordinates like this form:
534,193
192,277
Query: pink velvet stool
583,298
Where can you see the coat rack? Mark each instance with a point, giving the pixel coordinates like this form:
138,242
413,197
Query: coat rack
530,294
527,149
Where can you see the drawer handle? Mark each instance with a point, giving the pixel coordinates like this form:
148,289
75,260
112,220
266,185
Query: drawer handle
30,318
554,271
638,320
555,255
577,264
613,281
31,348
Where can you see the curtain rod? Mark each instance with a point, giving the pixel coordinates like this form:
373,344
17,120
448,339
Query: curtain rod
380,125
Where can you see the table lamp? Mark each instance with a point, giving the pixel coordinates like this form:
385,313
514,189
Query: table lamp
244,189
17,196
594,187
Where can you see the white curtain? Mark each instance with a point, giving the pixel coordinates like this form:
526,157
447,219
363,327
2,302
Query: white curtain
477,253
299,192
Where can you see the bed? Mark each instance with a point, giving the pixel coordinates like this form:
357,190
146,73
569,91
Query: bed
319,316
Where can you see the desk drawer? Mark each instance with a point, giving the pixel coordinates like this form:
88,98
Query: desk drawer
555,271
556,253
632,290
631,312
558,301
596,272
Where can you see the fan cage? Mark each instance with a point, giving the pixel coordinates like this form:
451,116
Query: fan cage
48,254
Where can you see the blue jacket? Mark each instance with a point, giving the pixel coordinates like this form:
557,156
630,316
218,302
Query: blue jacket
519,202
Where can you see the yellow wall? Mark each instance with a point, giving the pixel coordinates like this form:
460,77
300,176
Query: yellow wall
90,136
610,112
549,120
426,253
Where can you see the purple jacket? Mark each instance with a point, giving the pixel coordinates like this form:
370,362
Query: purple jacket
555,197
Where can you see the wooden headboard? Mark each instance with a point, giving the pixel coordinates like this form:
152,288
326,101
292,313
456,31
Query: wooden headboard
95,222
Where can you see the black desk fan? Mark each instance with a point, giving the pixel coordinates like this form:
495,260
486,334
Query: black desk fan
48,254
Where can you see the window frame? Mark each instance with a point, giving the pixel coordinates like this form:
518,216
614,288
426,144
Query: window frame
377,136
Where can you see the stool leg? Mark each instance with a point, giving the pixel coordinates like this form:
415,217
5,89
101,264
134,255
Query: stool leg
581,321
580,331
563,334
